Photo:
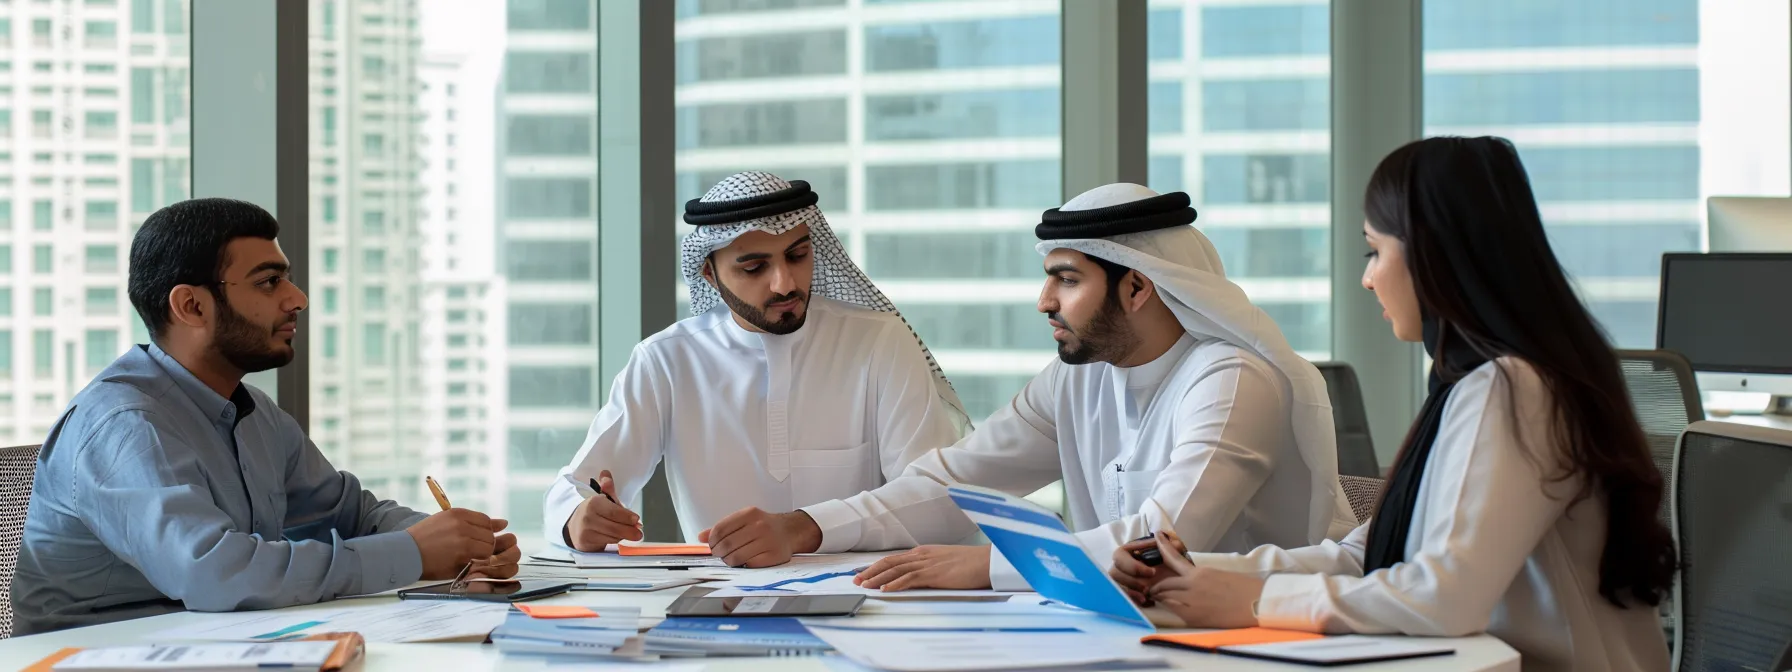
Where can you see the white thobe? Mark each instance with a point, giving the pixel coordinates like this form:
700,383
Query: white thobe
746,419
1495,546
1198,441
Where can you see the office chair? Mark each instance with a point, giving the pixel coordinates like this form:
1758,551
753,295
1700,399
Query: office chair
18,465
1665,394
1356,447
1732,516
1362,492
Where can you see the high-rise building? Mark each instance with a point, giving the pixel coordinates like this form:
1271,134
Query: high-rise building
1622,130
461,342
547,243
365,284
93,137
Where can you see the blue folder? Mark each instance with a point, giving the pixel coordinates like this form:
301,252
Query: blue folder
1045,552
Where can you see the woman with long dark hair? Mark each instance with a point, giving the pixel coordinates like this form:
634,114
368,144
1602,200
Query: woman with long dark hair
1523,501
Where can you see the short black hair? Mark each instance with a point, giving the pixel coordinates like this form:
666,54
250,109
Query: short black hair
1114,272
183,244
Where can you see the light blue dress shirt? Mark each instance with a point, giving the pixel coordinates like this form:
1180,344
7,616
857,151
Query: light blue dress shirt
155,494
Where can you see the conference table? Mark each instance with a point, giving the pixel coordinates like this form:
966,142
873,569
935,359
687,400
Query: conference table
1472,653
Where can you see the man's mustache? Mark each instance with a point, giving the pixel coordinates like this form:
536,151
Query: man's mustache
798,294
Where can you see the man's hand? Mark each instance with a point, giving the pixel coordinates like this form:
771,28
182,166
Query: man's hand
447,541
1205,598
599,522
941,567
503,563
751,537
1137,578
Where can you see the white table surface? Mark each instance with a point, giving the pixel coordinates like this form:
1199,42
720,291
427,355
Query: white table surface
1472,653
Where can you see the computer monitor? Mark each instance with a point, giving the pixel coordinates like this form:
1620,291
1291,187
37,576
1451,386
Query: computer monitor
1749,224
1726,313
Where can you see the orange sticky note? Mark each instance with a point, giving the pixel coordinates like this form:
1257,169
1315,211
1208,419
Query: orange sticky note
1210,641
49,663
662,549
551,611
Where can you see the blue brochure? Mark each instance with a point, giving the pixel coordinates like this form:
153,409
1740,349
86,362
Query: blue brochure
1047,555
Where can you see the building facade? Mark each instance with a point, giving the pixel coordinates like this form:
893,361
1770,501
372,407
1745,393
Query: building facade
94,136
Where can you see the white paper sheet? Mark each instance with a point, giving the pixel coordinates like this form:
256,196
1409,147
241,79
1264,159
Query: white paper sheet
293,655
1021,604
938,650
582,560
389,623
840,585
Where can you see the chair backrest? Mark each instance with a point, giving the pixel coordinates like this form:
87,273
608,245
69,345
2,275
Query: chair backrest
1732,518
1665,394
1356,447
18,465
1362,492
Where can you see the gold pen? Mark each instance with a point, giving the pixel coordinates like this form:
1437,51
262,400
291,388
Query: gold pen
436,489
460,580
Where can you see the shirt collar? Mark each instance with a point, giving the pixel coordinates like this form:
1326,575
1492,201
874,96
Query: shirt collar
1152,373
759,339
240,404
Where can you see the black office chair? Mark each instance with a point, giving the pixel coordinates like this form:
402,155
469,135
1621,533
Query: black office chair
1665,394
1732,518
1356,447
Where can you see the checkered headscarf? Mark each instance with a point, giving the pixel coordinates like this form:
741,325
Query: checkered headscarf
836,276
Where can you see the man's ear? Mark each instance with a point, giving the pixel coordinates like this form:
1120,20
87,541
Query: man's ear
189,306
1136,290
709,270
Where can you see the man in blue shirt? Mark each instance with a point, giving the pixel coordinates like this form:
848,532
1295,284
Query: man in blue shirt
168,484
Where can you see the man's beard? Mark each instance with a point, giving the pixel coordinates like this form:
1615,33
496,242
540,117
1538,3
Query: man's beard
245,344
787,321
1106,338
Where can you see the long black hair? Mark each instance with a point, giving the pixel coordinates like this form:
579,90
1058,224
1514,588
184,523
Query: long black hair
1483,269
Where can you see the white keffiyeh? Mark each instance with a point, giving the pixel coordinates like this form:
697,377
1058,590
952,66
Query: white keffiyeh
1187,271
836,276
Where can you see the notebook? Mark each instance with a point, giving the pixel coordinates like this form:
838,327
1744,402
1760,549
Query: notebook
1045,553
1305,648
708,636
567,630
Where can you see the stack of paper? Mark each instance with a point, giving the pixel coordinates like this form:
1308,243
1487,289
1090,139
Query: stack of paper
393,623
754,636
562,630
210,657
943,649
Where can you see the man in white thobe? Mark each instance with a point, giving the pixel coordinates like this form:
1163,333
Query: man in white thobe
795,382
1176,404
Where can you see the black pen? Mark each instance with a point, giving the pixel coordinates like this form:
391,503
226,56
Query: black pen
600,490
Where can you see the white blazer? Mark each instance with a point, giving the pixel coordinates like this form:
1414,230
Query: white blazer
1495,548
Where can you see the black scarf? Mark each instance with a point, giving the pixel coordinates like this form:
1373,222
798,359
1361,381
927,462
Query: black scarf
1393,516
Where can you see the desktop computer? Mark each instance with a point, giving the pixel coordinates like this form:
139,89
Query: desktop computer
1749,224
1726,313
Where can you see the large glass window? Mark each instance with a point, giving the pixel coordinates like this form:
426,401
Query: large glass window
1240,118
933,149
1627,113
405,137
